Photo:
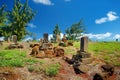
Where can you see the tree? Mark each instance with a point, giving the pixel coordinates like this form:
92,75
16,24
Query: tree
19,18
75,30
56,32
3,18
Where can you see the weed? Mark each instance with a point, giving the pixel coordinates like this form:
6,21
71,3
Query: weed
31,68
52,70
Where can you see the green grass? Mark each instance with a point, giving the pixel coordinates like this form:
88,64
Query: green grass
76,44
109,51
70,50
52,69
12,58
15,58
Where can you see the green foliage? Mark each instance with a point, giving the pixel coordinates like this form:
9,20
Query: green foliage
52,69
3,16
75,30
18,19
56,31
3,19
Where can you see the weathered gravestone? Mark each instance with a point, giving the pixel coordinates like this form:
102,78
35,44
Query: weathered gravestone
84,47
14,39
84,44
45,35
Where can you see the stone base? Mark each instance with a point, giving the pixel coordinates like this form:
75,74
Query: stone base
85,54
87,60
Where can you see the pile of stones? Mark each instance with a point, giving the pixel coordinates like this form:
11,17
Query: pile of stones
82,64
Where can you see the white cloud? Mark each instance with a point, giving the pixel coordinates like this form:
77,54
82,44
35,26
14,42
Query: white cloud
117,36
31,25
51,36
45,2
99,36
102,20
111,16
2,38
67,0
27,39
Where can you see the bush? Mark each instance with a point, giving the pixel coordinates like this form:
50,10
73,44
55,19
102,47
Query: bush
52,70
31,68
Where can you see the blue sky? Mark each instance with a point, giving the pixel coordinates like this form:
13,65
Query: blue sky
101,17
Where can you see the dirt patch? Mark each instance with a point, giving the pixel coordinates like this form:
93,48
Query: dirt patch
7,73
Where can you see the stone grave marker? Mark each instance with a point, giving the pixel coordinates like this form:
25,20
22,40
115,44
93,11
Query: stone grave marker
14,39
84,44
57,38
45,35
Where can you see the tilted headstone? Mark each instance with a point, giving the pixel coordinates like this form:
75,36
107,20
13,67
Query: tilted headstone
15,39
45,35
84,44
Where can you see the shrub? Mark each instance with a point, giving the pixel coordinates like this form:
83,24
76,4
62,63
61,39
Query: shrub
31,68
52,70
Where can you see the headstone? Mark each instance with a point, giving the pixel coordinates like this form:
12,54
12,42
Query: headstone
15,39
8,39
64,36
57,38
84,44
45,35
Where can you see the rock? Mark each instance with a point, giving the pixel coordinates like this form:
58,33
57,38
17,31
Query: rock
68,60
97,77
64,40
58,51
41,54
20,46
12,46
83,68
108,69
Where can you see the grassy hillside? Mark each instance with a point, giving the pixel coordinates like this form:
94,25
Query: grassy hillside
108,51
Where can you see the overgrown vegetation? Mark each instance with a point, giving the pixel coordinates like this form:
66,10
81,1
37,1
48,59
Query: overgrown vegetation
52,69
